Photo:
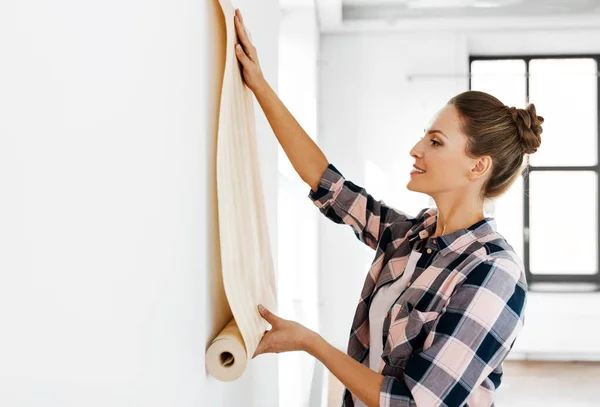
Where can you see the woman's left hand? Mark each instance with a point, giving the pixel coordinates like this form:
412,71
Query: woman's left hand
284,336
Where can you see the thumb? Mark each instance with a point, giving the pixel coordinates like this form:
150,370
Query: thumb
242,56
262,345
267,315
258,351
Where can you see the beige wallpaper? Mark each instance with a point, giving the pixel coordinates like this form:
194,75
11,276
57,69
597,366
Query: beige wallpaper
246,263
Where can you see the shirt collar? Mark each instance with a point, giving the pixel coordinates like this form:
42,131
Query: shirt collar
455,241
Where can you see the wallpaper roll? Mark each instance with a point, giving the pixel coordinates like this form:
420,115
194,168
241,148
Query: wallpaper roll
246,259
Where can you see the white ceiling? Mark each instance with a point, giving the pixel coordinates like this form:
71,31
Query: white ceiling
349,15
353,10
287,4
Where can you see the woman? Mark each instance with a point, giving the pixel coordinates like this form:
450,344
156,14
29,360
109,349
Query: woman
443,301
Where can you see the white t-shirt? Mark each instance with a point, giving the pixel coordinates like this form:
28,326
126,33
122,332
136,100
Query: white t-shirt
380,305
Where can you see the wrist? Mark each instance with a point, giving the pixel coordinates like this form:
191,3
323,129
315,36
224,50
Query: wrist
260,87
311,343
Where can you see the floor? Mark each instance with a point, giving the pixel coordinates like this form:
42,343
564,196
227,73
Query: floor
533,384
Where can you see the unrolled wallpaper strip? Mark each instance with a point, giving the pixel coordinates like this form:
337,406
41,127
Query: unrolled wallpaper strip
246,260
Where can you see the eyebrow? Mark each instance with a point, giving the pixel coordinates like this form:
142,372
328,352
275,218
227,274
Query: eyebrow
437,131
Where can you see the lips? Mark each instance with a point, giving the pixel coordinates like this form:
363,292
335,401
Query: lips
418,169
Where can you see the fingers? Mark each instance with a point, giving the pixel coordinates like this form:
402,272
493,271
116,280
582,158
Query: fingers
241,32
239,14
248,34
243,36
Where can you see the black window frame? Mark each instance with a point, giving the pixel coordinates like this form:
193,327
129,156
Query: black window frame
534,279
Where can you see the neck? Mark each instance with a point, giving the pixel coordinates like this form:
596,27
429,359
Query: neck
456,213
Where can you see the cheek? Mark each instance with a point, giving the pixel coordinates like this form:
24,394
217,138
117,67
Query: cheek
448,167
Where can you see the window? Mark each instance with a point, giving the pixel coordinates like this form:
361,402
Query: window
550,215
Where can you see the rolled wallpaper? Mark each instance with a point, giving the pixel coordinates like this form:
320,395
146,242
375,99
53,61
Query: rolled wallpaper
246,259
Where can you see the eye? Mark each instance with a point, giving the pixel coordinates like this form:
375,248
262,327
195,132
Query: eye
435,143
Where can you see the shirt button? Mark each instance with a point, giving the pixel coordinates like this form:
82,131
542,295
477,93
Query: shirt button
428,251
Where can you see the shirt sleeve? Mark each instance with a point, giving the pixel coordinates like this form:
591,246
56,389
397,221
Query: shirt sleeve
346,203
470,338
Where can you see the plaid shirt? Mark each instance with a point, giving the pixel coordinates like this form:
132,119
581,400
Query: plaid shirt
446,336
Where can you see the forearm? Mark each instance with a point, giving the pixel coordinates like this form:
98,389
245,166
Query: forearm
306,157
363,382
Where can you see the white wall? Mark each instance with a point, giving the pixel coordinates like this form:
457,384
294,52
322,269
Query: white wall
107,286
301,377
377,92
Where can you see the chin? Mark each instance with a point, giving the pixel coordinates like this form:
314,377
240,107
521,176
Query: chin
411,187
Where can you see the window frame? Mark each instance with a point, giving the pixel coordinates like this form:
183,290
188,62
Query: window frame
536,279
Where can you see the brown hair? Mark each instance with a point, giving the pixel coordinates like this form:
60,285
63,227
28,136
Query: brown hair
504,133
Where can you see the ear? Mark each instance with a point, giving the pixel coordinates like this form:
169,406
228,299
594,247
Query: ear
480,167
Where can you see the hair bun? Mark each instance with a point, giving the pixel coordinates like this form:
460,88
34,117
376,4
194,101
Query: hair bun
529,126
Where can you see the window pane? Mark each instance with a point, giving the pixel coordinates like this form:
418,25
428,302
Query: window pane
563,222
504,79
565,94
507,210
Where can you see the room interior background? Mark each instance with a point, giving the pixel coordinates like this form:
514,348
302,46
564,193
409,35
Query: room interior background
107,145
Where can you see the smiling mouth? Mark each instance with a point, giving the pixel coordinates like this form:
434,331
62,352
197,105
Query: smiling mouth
417,171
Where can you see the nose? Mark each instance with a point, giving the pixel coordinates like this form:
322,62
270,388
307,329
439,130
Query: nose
416,152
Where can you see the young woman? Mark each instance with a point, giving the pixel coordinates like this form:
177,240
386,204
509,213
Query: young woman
443,302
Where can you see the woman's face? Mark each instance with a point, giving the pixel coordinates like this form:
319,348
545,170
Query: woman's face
441,154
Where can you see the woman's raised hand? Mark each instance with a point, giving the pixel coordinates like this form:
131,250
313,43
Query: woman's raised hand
247,55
